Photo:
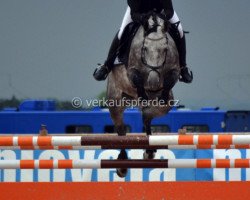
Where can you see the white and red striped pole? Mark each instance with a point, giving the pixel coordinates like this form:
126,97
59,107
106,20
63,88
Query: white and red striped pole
102,140
103,147
106,164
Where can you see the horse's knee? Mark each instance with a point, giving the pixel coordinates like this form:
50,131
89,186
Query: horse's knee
173,74
136,78
171,78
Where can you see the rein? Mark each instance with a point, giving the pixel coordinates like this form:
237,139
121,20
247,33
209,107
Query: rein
143,56
144,61
143,49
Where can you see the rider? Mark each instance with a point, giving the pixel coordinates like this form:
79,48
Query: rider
137,12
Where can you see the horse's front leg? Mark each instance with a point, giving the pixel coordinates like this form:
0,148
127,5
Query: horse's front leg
138,82
117,117
149,153
170,79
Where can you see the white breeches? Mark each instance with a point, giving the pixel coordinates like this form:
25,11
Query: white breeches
127,19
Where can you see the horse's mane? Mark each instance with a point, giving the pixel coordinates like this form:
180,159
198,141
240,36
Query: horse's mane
154,16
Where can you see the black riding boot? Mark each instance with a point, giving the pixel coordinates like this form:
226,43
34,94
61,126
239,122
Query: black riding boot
102,71
186,74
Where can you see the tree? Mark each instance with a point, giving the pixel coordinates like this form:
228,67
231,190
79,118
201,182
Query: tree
13,103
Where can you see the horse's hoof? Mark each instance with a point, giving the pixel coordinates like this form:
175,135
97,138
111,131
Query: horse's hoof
122,172
148,155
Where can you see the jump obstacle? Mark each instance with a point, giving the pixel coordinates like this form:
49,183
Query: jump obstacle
157,190
123,142
102,140
107,164
114,146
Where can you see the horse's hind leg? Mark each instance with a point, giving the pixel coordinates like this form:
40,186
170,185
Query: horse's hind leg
149,153
117,117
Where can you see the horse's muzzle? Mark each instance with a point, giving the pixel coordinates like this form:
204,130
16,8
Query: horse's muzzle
153,82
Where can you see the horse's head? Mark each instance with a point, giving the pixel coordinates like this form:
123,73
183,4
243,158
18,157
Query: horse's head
154,50
153,55
155,22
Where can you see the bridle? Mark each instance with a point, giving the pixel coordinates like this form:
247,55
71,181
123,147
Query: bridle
144,49
144,61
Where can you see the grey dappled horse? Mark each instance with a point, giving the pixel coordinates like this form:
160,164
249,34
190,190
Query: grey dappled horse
153,69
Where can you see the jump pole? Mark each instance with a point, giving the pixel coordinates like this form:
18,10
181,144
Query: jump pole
112,146
100,140
107,164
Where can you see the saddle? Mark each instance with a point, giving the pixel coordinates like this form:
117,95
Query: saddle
126,41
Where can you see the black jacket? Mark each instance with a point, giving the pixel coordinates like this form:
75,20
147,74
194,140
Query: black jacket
139,7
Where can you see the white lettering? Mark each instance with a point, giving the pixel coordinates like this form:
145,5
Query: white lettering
247,170
9,175
104,175
136,175
80,175
27,175
168,174
220,174
58,175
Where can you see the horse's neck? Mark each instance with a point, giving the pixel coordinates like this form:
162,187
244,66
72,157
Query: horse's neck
139,37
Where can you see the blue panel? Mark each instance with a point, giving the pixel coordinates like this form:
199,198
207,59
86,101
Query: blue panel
38,105
30,121
237,121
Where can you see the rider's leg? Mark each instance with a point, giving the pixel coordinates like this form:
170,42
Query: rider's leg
126,20
179,37
102,72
